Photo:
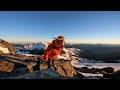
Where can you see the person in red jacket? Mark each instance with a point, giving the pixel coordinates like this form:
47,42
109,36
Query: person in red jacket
53,50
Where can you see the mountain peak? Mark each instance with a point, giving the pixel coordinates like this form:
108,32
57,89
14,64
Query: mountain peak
6,47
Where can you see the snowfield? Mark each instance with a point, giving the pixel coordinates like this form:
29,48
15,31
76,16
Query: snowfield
89,64
78,64
71,54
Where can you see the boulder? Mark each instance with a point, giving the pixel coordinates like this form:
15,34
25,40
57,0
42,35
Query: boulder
6,66
87,70
61,71
16,66
64,67
68,69
108,69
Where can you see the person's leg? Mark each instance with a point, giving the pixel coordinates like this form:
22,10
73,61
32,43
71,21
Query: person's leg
53,63
49,63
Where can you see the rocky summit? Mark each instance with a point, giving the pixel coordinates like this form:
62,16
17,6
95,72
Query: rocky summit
15,67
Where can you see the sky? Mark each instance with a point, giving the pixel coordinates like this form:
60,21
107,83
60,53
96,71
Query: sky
77,26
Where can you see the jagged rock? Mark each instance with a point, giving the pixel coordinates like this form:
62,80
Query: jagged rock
19,61
6,66
61,71
43,74
64,67
108,69
68,68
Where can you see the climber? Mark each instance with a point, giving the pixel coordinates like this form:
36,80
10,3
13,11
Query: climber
53,50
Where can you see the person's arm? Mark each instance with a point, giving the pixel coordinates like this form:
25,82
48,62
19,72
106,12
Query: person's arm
45,56
46,53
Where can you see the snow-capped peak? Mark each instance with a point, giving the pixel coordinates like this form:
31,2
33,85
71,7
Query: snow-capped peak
40,45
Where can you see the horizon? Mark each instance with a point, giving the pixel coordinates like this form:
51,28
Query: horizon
88,27
65,43
37,41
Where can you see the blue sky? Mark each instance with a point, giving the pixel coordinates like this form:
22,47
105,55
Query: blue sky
76,26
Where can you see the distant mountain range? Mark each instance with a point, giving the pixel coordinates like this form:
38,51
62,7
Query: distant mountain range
102,52
36,46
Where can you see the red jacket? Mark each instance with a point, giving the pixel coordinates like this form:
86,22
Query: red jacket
52,50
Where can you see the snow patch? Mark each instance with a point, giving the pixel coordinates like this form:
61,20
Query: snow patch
77,64
4,50
71,54
28,54
91,75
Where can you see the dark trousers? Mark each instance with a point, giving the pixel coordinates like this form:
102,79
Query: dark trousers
50,63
